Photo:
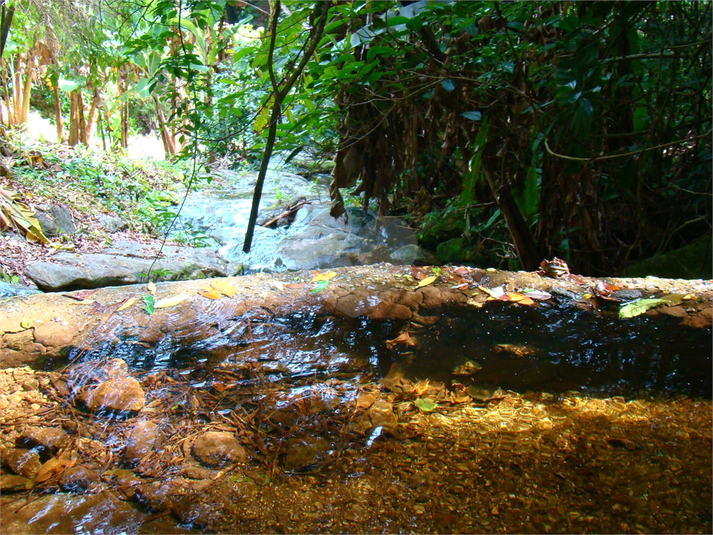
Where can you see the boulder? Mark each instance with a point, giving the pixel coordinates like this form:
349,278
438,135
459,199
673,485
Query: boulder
118,394
56,220
218,448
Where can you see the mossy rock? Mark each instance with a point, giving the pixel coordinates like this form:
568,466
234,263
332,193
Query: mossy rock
690,262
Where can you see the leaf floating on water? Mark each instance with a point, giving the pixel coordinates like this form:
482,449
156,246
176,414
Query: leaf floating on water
167,302
324,276
639,307
149,304
151,287
223,286
403,338
210,293
321,285
126,304
427,281
425,404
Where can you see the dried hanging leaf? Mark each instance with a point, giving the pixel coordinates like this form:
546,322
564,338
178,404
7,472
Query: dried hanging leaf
126,304
427,281
403,338
223,286
167,302
151,288
324,276
639,307
210,293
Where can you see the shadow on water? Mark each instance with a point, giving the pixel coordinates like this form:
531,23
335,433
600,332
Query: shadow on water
552,349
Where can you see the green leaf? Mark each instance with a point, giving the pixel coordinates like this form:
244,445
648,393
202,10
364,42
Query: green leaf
472,115
149,304
425,404
321,285
448,85
639,307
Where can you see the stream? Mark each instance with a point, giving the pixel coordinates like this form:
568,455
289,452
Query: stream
498,419
309,238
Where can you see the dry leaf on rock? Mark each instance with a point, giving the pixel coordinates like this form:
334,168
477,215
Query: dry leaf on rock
223,286
151,287
167,302
427,281
210,293
126,304
324,276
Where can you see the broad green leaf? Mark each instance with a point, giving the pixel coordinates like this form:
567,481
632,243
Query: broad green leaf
448,85
639,307
149,304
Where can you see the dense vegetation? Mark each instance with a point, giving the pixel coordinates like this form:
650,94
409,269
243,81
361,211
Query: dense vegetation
503,130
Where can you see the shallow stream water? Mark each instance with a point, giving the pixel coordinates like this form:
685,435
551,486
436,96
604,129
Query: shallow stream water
566,421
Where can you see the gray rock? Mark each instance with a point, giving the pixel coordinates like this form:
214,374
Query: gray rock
125,263
218,448
112,223
11,290
56,220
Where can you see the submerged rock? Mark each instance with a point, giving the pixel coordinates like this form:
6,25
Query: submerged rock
141,441
218,448
307,453
119,394
77,478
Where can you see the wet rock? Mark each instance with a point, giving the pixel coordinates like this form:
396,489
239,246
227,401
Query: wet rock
381,413
194,512
12,483
218,448
141,441
112,223
154,496
120,394
307,453
66,513
484,393
46,440
77,478
469,367
22,461
197,472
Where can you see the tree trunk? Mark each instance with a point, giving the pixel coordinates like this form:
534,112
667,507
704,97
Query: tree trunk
92,116
77,125
169,142
58,114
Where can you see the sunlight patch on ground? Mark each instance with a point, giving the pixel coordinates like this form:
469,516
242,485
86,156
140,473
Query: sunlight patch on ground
139,147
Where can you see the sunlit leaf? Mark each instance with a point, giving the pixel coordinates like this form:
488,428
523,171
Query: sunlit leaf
640,306
519,298
223,286
321,285
427,281
167,302
26,323
425,404
210,293
324,276
151,287
126,304
495,293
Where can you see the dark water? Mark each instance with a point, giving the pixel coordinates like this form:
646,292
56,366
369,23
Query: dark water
564,349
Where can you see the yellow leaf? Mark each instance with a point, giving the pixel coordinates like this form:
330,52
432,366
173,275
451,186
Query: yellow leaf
688,297
26,323
210,293
223,286
86,302
151,288
427,281
171,301
324,276
126,304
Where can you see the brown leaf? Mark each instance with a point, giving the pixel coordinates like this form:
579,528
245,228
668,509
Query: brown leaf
403,338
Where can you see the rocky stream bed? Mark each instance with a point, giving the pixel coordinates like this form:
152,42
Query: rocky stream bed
371,399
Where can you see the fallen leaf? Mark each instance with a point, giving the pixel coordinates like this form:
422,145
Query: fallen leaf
53,467
324,276
403,338
151,288
639,307
295,285
279,285
26,323
519,298
223,286
673,299
167,302
321,285
126,304
538,295
210,293
427,281
495,293
425,404
84,295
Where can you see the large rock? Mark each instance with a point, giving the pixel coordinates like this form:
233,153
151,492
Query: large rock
218,448
56,220
120,394
125,263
